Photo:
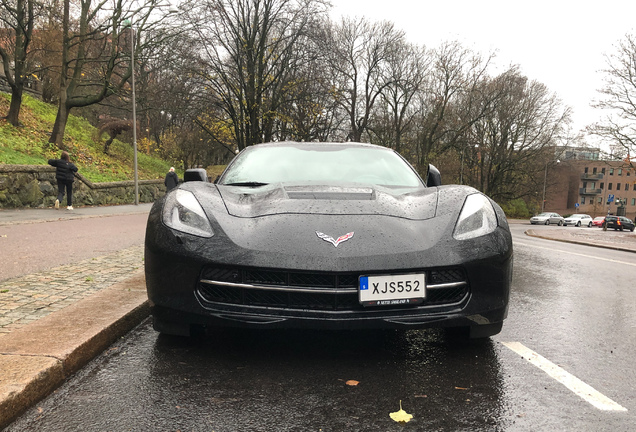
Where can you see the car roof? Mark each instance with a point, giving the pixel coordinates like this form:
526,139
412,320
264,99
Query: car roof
304,145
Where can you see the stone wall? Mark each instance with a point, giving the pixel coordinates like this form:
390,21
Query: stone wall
35,186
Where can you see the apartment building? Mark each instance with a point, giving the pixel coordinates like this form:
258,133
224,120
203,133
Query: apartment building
595,187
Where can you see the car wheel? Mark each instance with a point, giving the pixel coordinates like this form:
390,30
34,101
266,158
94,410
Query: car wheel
589,225
621,228
578,224
547,221
475,332
170,328
560,223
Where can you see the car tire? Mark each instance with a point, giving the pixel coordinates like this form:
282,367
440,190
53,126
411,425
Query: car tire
578,224
475,332
560,223
170,328
547,221
589,225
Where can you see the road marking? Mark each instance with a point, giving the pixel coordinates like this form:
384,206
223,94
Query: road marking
577,254
577,386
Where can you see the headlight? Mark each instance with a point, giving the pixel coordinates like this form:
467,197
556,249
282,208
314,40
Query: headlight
182,212
477,218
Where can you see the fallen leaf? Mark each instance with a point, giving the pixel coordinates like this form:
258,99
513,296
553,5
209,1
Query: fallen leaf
352,383
401,416
460,388
420,396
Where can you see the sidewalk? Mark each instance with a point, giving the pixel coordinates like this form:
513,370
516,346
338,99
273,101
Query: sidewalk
53,323
616,240
30,215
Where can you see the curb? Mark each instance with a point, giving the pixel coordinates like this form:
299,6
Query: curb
49,214
39,357
531,233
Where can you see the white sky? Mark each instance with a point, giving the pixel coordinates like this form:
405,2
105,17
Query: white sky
560,43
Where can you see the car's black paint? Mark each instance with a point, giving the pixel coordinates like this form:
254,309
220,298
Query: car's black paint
274,227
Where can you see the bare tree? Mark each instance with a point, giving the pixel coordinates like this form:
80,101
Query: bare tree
95,58
19,18
451,100
511,143
358,52
248,51
618,96
406,69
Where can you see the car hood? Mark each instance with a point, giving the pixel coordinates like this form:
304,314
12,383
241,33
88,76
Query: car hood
278,199
282,225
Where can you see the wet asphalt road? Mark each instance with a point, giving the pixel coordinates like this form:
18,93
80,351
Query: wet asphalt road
33,247
573,305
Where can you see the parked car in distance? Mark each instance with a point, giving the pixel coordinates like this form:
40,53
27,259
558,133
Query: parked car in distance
619,223
598,221
547,218
578,220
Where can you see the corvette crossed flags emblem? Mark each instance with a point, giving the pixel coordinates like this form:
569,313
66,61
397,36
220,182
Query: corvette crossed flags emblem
337,241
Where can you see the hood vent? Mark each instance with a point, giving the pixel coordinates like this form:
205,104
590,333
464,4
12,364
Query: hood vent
347,196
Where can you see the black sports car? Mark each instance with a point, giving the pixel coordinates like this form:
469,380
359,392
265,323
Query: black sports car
326,235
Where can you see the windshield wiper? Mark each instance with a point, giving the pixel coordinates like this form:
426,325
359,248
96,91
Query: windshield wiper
247,184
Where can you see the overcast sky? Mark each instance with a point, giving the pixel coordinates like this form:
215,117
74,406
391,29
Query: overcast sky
560,43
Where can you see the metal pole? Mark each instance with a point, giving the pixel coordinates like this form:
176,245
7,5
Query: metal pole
461,168
545,179
134,112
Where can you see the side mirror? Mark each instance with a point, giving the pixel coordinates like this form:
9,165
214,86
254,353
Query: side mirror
433,177
195,174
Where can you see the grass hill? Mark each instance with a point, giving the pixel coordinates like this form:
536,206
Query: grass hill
28,145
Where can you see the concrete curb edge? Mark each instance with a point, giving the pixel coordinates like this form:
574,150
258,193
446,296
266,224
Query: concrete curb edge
34,365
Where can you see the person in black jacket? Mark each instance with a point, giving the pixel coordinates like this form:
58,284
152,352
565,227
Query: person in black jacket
65,175
172,180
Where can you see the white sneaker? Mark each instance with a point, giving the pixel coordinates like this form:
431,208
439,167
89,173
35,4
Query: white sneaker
57,204
69,208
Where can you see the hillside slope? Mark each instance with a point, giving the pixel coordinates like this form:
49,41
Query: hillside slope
28,145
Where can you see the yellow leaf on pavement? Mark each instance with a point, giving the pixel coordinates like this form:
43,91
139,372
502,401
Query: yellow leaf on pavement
352,383
401,416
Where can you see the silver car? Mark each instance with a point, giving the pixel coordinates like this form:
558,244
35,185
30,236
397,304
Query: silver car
547,218
578,220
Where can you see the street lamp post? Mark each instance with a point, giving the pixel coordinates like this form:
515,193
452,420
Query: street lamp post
545,180
134,113
134,106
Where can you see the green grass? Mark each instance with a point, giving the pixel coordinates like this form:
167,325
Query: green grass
28,145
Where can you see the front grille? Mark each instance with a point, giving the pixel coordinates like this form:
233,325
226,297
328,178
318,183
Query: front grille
314,291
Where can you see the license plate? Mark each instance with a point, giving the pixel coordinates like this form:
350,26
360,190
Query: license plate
389,290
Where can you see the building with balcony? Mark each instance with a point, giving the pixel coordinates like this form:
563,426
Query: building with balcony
591,186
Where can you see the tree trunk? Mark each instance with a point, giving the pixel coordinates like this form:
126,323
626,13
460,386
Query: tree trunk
57,136
16,104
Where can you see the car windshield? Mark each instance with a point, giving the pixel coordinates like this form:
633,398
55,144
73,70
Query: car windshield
320,163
